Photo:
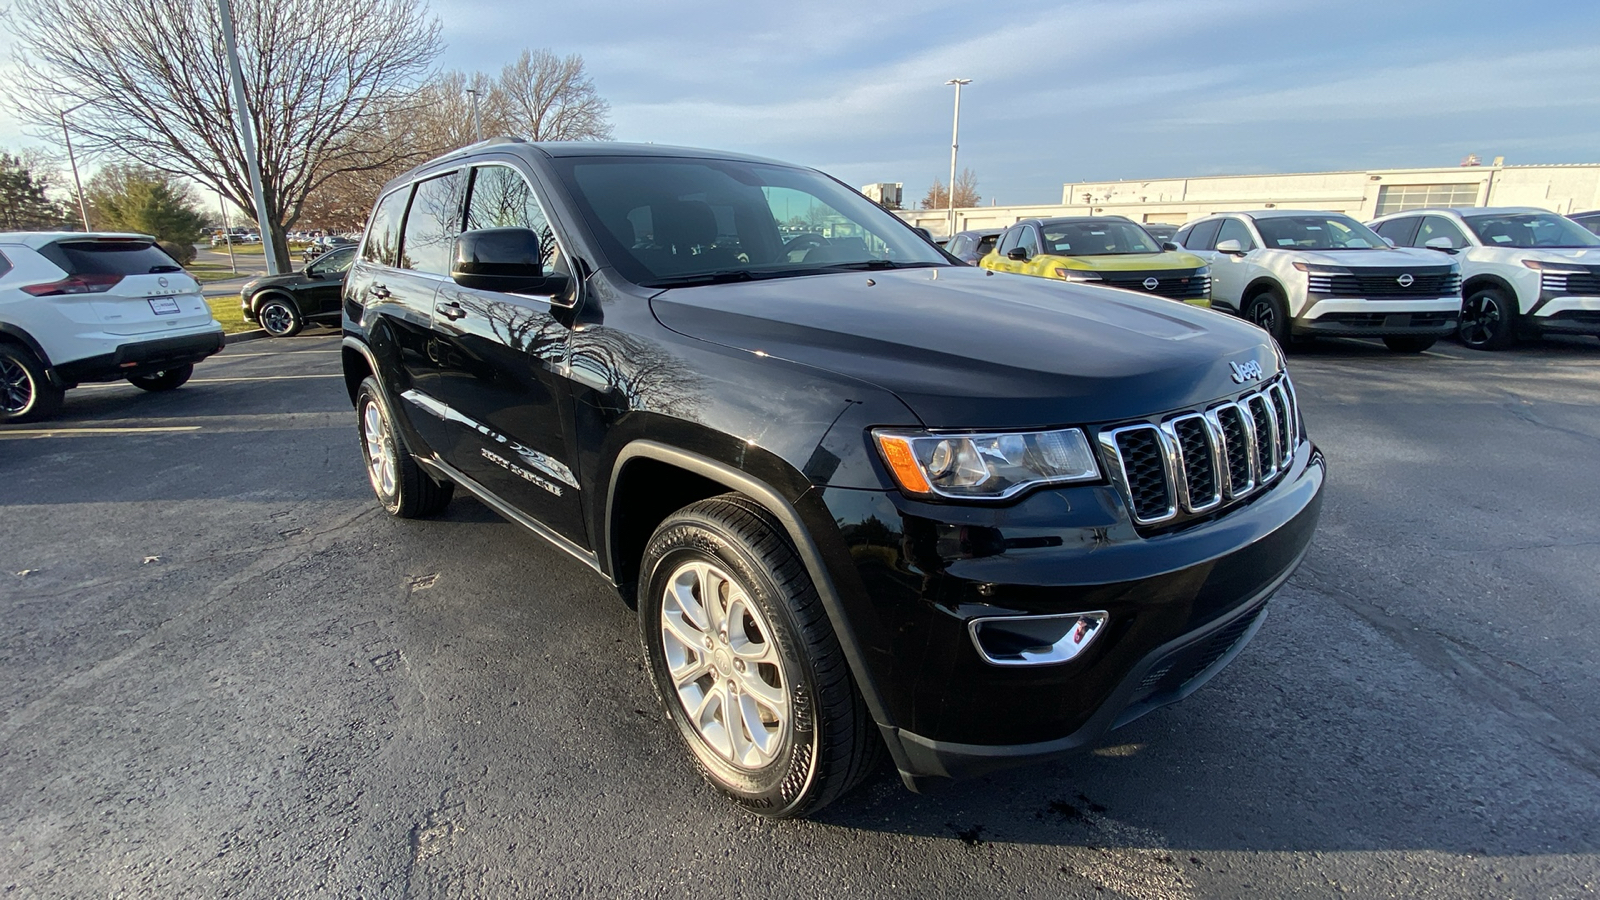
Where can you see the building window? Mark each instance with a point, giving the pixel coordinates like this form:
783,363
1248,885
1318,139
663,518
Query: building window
1401,197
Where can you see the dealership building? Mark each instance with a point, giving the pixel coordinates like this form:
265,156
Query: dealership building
1363,195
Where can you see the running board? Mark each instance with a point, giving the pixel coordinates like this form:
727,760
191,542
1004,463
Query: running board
442,469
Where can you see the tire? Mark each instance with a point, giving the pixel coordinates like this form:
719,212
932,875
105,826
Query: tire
779,660
1268,311
26,394
1488,320
164,380
402,487
1408,344
280,317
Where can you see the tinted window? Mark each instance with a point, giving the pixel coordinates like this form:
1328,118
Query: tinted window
1204,236
502,198
1317,232
665,221
334,262
1103,238
1234,230
109,257
383,232
432,225
1028,240
1009,240
1528,230
986,244
1439,227
5,264
1591,222
1398,230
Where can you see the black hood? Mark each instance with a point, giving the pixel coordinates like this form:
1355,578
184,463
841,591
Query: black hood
965,349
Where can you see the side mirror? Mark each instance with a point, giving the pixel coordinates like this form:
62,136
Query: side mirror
1442,244
1170,246
506,260
1018,253
1389,241
1231,247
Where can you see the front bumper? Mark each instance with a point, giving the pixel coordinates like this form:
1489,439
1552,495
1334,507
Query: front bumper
1181,604
141,356
1565,314
1354,317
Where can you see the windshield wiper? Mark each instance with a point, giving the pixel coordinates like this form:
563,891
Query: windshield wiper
722,276
873,264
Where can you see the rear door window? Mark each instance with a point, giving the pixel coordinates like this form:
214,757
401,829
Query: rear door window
1204,236
1399,230
382,245
5,265
432,225
114,257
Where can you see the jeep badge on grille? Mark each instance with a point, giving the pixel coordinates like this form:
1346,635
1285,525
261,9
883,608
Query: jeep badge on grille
1248,371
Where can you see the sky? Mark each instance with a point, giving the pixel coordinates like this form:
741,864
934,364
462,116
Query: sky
1086,90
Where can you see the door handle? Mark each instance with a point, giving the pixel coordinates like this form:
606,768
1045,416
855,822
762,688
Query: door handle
452,311
378,290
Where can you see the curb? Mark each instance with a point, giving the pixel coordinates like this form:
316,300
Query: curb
240,337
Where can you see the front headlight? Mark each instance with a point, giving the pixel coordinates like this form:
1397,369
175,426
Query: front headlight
1314,269
985,466
1076,275
1202,272
1550,268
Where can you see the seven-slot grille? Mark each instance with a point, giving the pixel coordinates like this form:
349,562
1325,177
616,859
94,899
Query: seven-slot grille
1194,462
1179,284
1387,283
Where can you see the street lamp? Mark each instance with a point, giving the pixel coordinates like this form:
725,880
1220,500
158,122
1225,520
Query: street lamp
955,144
269,243
477,123
83,210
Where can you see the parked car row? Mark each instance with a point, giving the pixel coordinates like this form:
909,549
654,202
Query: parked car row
1489,276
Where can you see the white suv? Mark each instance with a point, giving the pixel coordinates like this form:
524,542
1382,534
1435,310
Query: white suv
1299,274
94,307
1528,271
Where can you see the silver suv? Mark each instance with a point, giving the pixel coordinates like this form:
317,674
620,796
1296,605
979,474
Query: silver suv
1299,274
1528,271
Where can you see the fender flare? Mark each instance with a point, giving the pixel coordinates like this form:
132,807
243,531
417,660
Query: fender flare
1499,284
21,336
810,556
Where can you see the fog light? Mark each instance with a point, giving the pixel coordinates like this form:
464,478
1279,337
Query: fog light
1035,640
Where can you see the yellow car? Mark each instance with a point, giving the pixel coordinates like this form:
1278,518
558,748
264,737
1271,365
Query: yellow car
1106,250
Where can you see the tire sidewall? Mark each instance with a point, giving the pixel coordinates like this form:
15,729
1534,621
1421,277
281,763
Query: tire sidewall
1280,315
1507,318
784,784
368,394
294,317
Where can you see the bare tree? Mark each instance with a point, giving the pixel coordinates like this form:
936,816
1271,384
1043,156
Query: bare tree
317,77
544,97
966,193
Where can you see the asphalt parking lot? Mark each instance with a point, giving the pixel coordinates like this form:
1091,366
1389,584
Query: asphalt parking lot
226,673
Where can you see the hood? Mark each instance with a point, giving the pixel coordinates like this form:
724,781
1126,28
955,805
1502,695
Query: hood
963,349
287,279
1394,256
1589,256
1129,262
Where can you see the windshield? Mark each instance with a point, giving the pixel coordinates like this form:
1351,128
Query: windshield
684,221
1107,238
1317,233
1529,230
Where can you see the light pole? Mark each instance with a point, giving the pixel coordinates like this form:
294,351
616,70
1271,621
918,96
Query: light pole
955,144
477,123
83,209
269,241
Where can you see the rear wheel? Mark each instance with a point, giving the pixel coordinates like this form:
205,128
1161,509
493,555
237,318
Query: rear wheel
25,393
1270,313
280,318
164,380
1488,320
1408,344
402,487
746,662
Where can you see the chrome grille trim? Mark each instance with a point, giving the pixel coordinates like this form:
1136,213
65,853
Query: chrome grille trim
1161,468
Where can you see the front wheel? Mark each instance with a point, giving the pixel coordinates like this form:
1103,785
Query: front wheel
1488,320
1268,312
746,663
280,318
164,380
402,487
26,393
1407,344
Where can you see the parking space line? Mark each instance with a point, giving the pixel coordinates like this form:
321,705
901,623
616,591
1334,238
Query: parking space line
20,433
260,378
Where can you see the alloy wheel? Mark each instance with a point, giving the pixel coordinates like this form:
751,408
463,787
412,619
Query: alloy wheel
725,668
1263,316
1481,319
16,387
380,456
276,319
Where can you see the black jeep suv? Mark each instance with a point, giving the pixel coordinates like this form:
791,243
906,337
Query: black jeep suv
863,498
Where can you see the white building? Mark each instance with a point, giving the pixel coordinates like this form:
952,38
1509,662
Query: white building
1363,195
884,193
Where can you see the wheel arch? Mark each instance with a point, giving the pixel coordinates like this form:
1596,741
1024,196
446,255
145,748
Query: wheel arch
12,334
261,297
647,457
357,364
1262,284
1488,280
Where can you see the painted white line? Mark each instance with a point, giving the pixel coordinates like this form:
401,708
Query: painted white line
259,378
17,434
223,357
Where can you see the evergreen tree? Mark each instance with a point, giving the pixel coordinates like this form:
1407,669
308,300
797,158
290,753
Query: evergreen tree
23,204
129,197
